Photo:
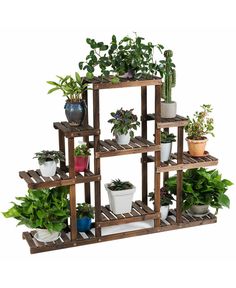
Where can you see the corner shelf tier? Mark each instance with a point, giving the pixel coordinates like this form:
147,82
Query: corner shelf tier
75,131
89,237
178,121
188,162
108,148
35,180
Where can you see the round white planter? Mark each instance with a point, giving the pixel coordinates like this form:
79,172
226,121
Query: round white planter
123,139
199,209
164,212
43,235
48,168
165,151
168,110
120,201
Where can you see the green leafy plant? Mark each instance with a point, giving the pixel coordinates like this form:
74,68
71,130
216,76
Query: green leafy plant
42,208
167,137
166,197
124,122
117,185
201,124
84,210
72,88
202,187
82,150
129,54
168,73
46,155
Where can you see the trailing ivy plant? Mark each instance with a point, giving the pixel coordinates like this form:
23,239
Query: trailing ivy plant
129,55
42,208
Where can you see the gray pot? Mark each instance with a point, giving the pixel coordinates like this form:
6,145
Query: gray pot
199,209
168,110
75,112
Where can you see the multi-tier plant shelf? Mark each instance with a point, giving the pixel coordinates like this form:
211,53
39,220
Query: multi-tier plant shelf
108,148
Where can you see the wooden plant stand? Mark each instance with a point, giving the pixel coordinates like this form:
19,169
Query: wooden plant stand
107,148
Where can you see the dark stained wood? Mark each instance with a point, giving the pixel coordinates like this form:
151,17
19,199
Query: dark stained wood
61,139
89,234
24,175
169,122
64,237
75,131
119,216
170,220
137,208
35,176
144,207
62,174
107,146
107,213
139,142
114,144
46,179
28,237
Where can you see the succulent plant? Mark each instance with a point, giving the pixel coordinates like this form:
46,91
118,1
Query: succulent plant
117,185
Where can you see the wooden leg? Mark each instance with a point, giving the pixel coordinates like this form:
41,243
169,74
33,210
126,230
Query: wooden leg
62,149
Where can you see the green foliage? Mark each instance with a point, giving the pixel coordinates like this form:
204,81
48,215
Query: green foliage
201,124
117,185
168,72
166,197
202,187
42,208
127,55
82,150
71,87
167,137
46,155
124,121
84,210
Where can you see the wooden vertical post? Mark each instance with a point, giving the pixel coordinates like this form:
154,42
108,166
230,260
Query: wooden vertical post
166,174
62,148
179,175
144,135
157,176
97,184
73,218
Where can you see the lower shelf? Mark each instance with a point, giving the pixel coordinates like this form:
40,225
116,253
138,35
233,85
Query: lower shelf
89,237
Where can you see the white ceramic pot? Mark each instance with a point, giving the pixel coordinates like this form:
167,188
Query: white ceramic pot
43,235
168,110
123,139
164,212
165,151
199,209
48,168
120,201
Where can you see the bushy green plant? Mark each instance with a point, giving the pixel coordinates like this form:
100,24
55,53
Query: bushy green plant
166,197
117,185
72,88
124,122
120,57
201,124
82,150
167,137
42,208
47,155
84,210
202,187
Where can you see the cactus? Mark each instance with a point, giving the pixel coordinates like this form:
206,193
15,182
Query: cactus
169,73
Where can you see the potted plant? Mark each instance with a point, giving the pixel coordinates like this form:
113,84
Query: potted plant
127,58
168,73
201,189
72,89
45,210
166,201
166,145
48,161
120,194
197,128
124,122
81,154
85,212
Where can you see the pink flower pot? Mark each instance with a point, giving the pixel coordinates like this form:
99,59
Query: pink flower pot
81,163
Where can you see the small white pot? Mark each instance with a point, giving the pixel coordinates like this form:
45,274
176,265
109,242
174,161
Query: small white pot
168,110
123,139
48,168
43,235
164,212
165,151
120,201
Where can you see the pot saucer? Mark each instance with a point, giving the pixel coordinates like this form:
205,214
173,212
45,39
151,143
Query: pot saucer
198,215
49,239
206,153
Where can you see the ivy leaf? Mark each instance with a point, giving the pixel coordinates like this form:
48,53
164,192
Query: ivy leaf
115,80
89,75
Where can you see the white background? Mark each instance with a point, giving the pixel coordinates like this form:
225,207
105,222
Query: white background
41,39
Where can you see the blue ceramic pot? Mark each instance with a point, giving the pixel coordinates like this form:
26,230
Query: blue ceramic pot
75,112
84,224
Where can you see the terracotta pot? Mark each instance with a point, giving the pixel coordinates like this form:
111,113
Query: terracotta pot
196,147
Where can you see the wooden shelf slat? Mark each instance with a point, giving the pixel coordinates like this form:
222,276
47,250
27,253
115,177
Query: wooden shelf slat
178,121
75,131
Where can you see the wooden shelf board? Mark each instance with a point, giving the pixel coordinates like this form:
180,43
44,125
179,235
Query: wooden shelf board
178,121
108,148
35,180
75,131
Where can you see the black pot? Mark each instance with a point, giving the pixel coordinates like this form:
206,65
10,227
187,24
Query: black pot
75,112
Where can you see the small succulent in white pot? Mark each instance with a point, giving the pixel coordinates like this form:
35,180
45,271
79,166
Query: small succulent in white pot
166,145
48,161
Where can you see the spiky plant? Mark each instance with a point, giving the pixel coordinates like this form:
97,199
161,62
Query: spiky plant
117,185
